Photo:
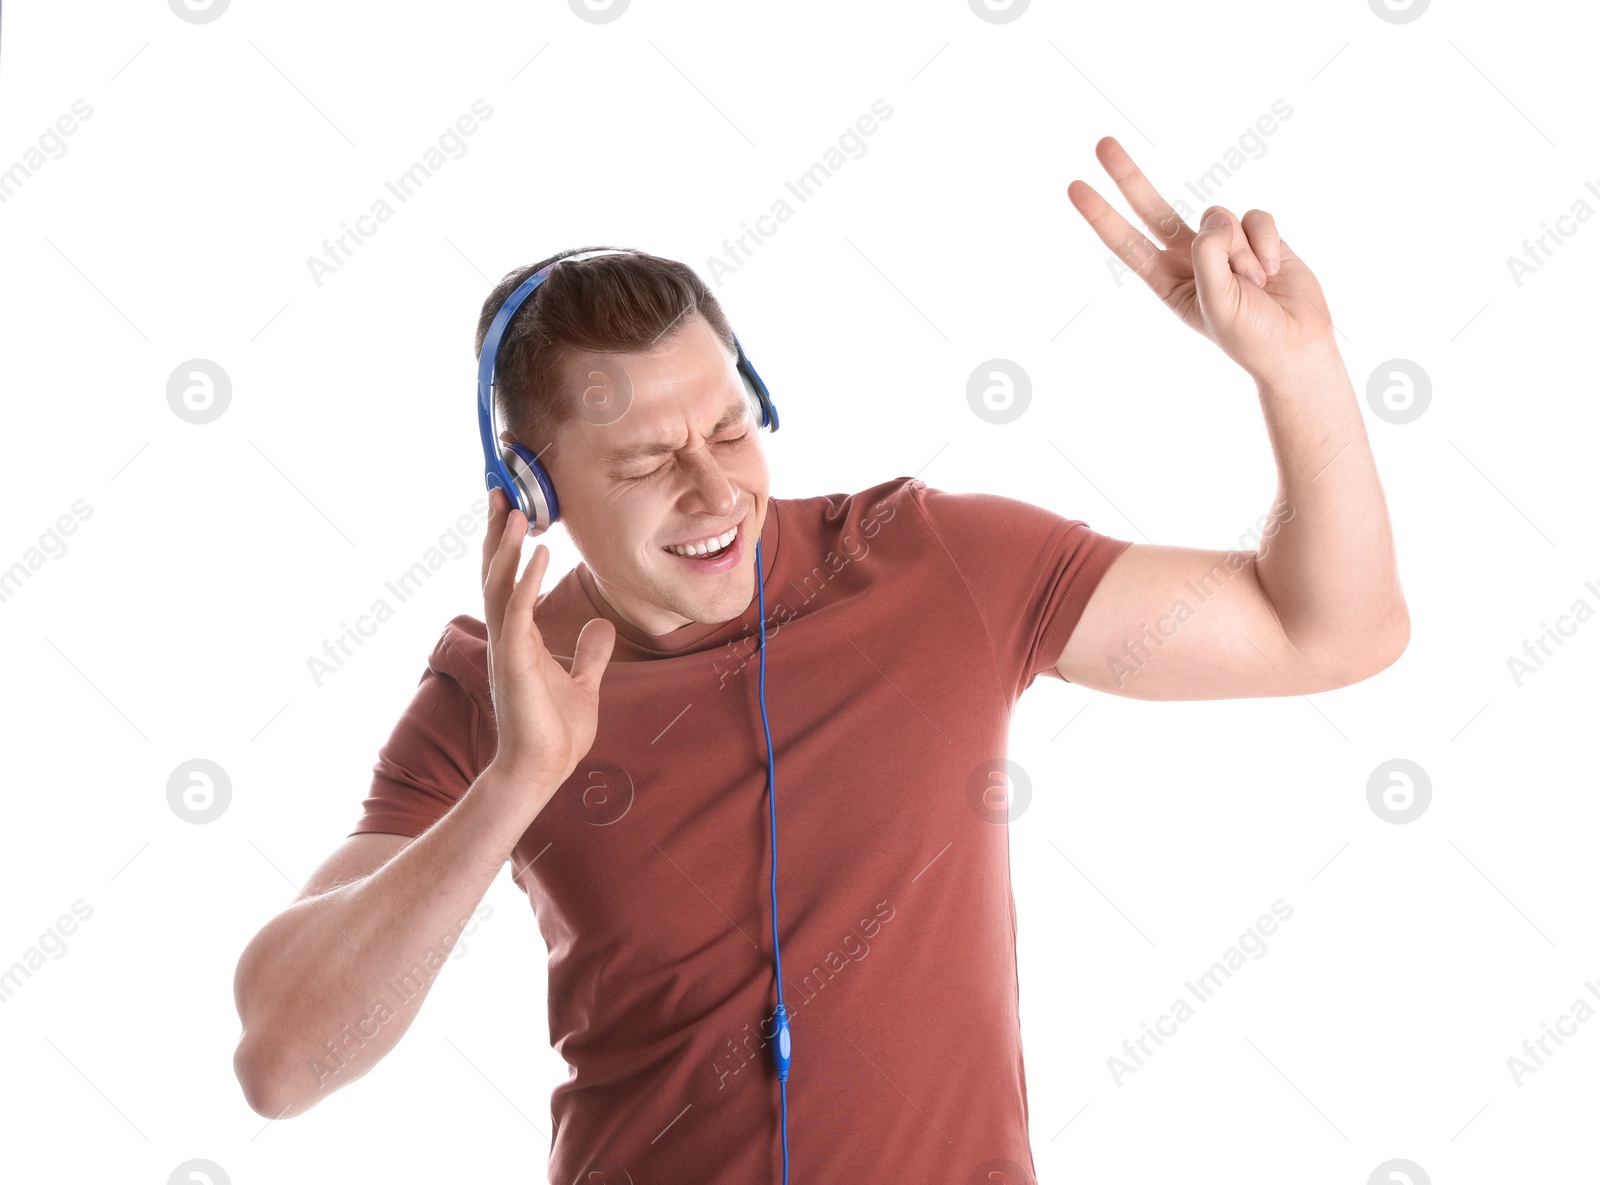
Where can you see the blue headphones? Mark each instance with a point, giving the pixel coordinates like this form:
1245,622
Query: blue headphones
517,471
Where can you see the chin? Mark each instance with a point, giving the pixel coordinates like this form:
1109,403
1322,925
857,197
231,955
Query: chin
729,602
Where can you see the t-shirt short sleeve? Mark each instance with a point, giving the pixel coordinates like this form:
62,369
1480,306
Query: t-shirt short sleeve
431,756
1029,571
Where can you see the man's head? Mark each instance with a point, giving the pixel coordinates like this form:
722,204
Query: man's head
619,374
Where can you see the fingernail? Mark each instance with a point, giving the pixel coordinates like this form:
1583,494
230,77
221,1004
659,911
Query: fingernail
1272,267
1214,219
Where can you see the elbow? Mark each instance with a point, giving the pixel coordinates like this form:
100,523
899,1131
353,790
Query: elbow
264,1089
1352,660
1356,654
258,1060
1396,638
260,1094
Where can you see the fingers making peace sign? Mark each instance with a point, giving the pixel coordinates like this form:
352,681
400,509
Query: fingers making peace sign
1235,280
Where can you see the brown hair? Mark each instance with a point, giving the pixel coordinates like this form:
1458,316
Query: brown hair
612,304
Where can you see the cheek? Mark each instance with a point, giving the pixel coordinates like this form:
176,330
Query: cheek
751,469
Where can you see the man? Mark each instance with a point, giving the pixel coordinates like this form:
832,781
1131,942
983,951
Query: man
902,624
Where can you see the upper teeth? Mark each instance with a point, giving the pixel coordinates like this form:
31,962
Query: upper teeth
705,545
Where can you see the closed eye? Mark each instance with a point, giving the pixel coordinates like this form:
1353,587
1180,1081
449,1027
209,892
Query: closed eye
663,468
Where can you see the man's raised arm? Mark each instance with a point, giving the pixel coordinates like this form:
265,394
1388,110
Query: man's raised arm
1316,602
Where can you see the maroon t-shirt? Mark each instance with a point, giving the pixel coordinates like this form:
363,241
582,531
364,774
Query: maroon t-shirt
902,624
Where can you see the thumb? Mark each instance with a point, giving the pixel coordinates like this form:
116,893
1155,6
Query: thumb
1216,286
589,658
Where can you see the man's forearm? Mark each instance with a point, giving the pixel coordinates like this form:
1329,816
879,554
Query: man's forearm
328,987
1329,568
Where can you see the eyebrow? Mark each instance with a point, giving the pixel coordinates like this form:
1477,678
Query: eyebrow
640,452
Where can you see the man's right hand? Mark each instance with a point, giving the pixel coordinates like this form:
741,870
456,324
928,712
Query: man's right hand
545,716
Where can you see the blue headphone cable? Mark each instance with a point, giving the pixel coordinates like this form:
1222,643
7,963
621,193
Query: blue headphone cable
780,1035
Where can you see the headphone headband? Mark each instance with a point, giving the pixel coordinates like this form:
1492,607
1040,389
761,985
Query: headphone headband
513,468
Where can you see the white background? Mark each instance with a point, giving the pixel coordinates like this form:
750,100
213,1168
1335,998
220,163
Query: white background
217,558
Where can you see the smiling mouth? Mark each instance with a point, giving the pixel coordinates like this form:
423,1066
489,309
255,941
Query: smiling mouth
708,549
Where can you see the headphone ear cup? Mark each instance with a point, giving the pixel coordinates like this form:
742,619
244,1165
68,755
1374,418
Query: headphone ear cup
535,494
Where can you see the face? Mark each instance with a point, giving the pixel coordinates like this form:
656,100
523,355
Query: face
681,465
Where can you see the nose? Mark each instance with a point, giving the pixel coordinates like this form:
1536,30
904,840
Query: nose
709,480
